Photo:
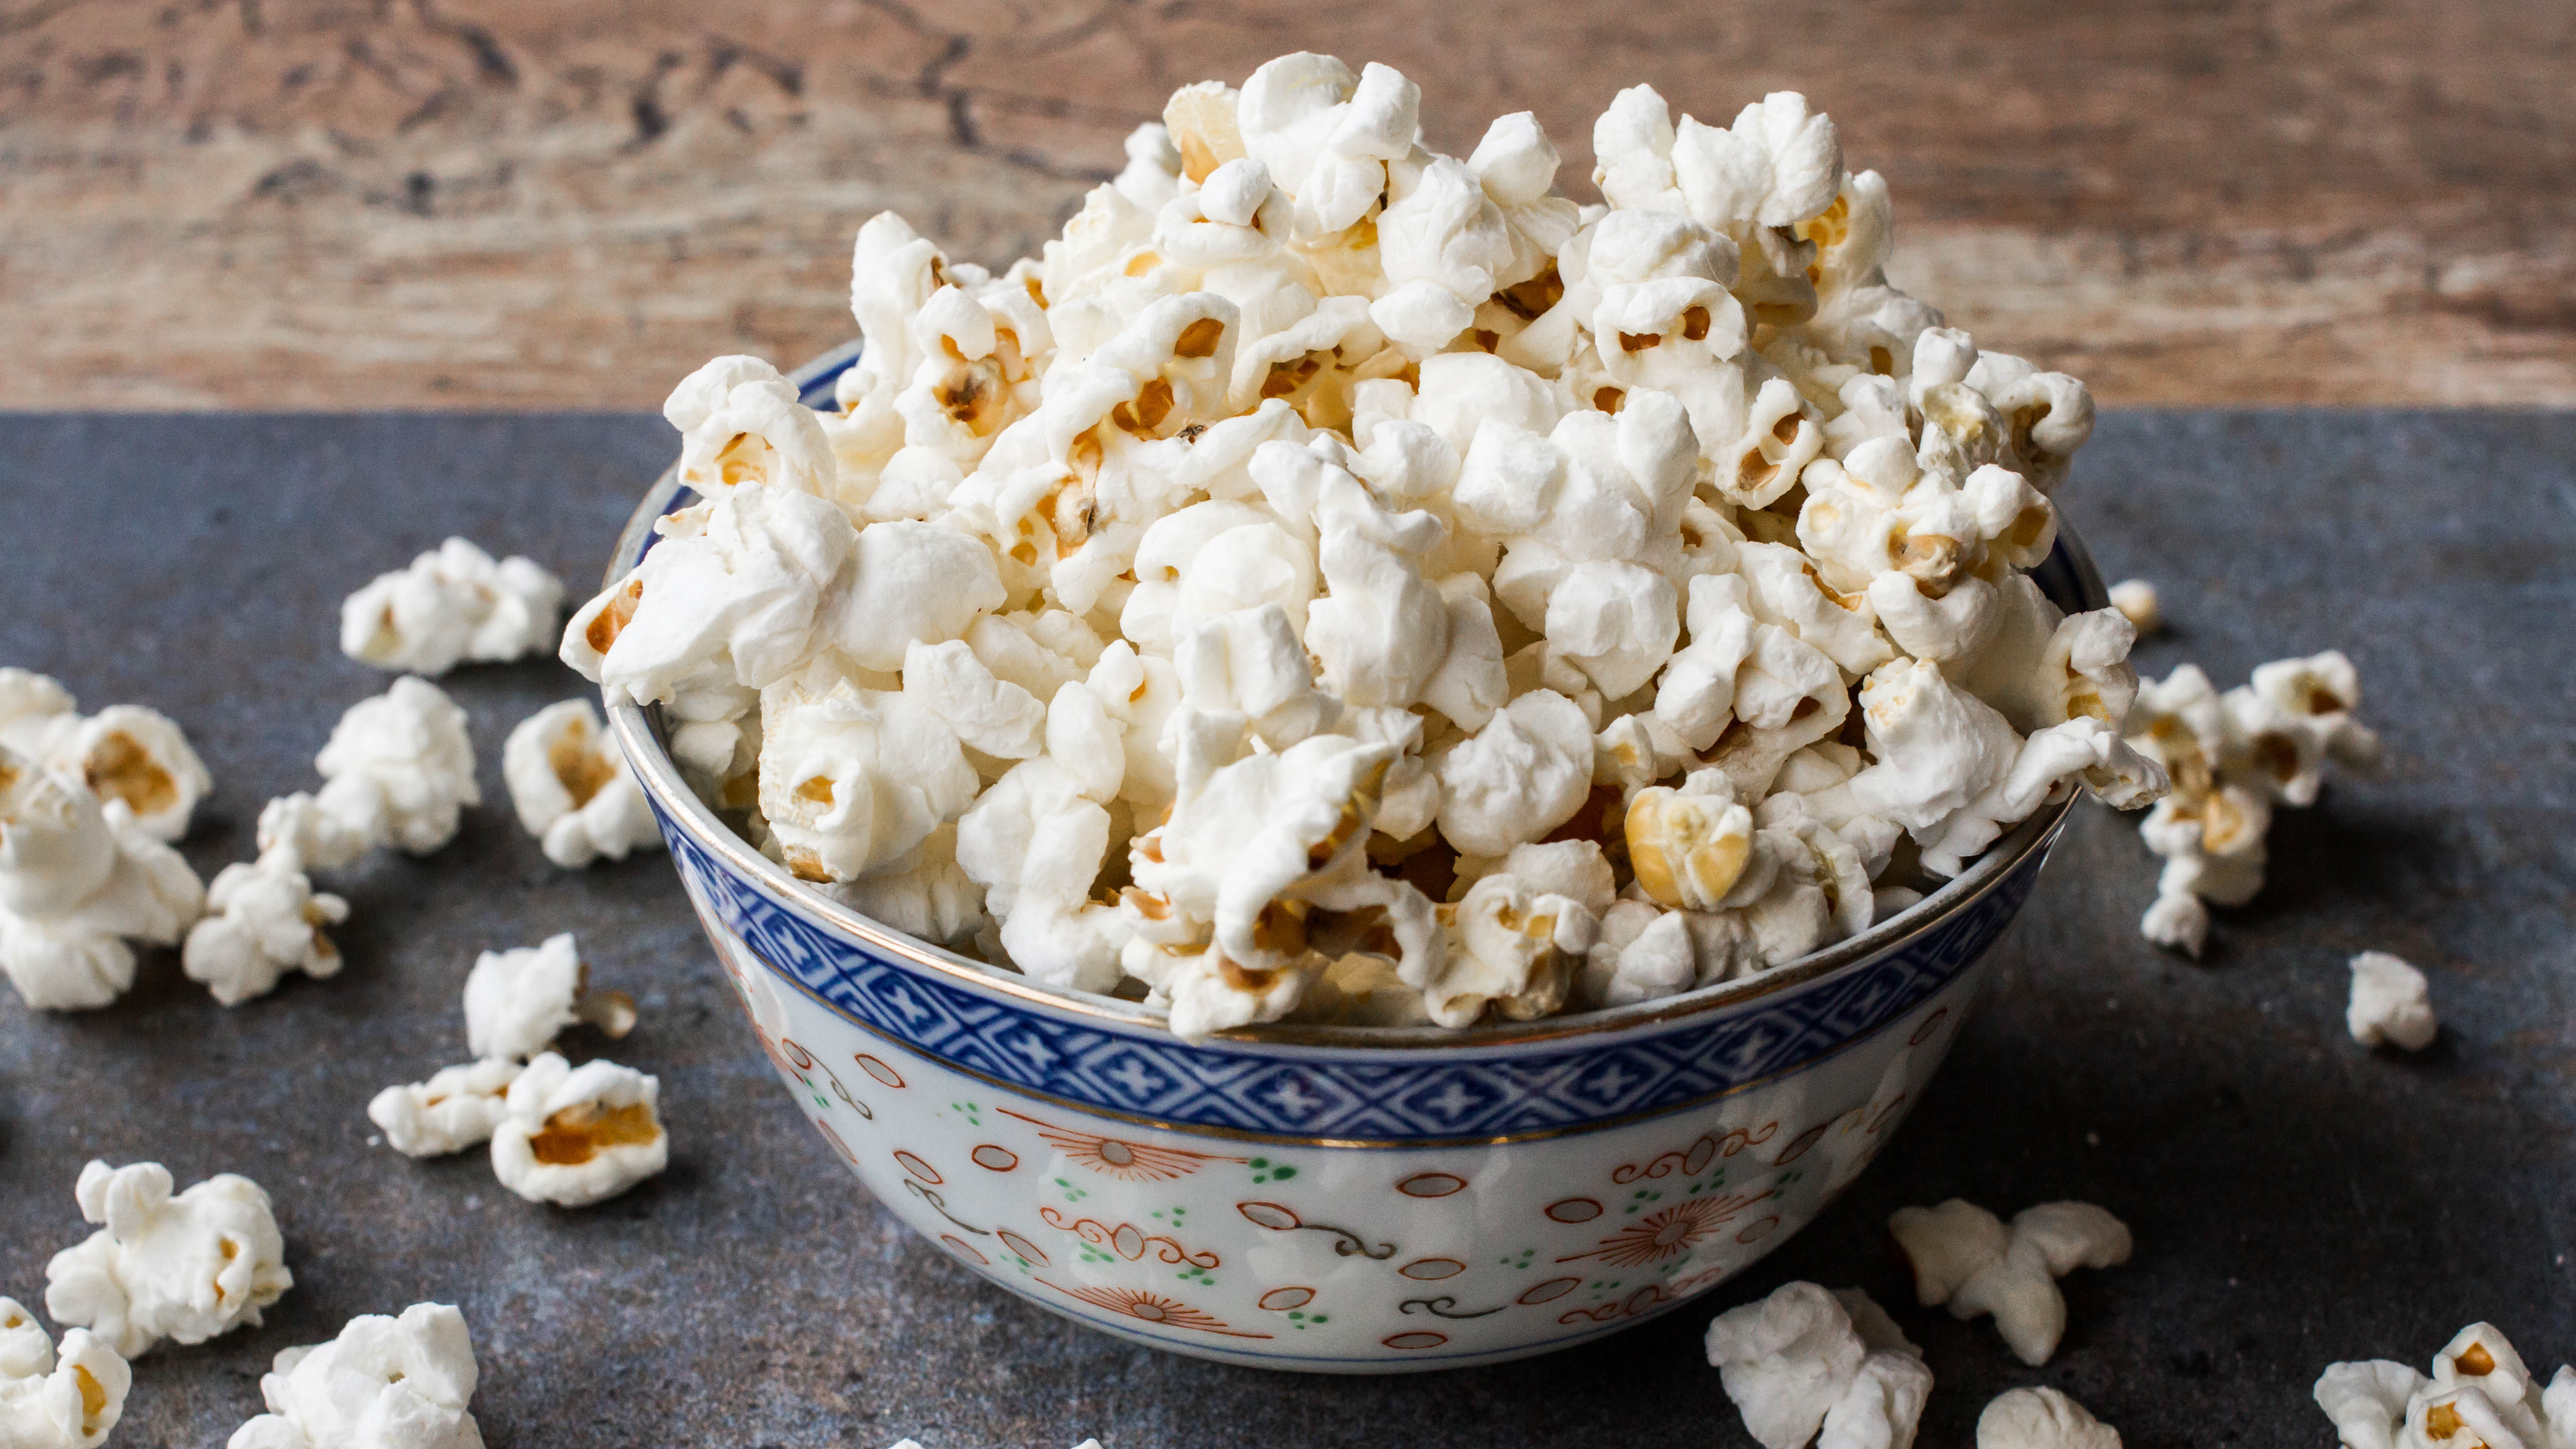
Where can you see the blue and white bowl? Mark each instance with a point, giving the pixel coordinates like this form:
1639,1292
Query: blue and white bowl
1343,1199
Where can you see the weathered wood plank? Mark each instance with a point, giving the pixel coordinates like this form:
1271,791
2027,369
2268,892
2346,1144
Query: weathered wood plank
524,203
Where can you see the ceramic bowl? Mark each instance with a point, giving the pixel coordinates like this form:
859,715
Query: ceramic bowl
1347,1200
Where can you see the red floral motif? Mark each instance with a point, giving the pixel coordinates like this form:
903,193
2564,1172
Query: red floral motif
1668,1232
1419,1338
1127,1240
965,1249
1115,1157
1152,1308
1021,1246
1691,1160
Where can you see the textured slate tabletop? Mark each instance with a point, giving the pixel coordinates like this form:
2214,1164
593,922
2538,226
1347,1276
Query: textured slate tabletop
2296,1199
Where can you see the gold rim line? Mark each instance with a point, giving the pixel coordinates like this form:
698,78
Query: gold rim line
645,753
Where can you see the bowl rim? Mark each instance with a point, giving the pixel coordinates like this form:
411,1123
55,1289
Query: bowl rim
639,735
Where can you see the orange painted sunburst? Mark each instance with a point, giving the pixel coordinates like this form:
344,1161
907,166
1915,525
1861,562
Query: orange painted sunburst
1668,1232
1152,1308
1118,1158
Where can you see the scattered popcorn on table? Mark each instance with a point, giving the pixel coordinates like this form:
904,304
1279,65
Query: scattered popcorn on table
397,770
455,1109
517,1001
2041,1419
2136,600
184,1267
1222,602
452,604
124,752
384,1383
574,1136
1964,1256
1805,1364
569,782
263,920
2231,758
2480,1393
2389,1003
51,1403
77,881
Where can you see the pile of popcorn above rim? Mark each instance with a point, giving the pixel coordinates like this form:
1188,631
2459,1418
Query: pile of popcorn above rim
1339,582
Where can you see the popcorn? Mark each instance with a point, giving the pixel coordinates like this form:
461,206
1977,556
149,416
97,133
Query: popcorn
574,1136
2231,759
2041,1419
517,1001
2136,600
1319,513
853,780
263,920
124,752
1964,1257
49,1403
398,769
2480,1392
569,782
2389,1003
383,1383
184,1267
1524,774
451,605
457,1108
1805,1365
77,880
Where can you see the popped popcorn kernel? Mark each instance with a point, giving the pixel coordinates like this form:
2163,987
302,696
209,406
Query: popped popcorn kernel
50,1402
1964,1257
575,1136
181,1266
2389,1003
454,603
383,1383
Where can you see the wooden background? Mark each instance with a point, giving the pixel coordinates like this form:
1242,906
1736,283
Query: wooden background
546,203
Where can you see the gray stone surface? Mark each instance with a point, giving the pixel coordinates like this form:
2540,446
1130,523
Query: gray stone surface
2296,1199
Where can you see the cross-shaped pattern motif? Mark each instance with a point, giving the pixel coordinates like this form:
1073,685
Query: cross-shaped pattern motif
1356,1094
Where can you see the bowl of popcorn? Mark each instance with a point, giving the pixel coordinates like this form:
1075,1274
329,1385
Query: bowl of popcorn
1363,767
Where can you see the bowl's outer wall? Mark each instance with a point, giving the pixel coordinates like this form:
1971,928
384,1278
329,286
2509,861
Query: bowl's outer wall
1354,1258
1355,1209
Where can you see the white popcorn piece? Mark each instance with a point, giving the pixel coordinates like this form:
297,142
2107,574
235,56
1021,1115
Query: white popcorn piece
2389,1003
183,1267
1524,774
383,1383
2041,1419
987,713
852,780
2480,1392
1511,946
124,752
740,423
569,783
263,920
453,604
50,1402
77,881
1964,1257
731,597
2136,600
1804,1365
935,900
455,1109
579,1135
518,1001
398,770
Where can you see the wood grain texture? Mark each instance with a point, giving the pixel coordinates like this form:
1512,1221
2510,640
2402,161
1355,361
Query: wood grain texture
540,203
